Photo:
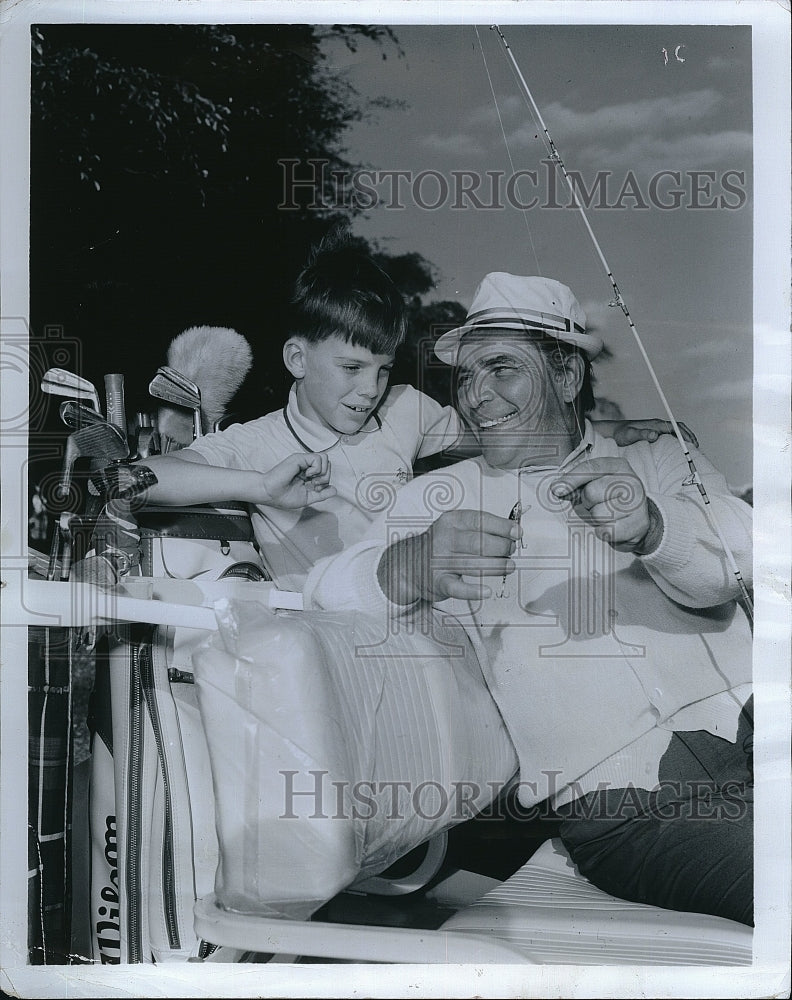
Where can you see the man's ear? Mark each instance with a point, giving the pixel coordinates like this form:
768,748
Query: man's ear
574,369
294,356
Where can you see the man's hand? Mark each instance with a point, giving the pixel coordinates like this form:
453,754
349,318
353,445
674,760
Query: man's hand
298,481
430,566
626,432
607,494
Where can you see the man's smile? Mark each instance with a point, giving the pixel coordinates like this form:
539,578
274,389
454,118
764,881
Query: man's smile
495,421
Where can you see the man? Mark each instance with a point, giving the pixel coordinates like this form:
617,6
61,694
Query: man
610,636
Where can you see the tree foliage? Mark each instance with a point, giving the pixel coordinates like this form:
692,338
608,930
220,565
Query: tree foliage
156,180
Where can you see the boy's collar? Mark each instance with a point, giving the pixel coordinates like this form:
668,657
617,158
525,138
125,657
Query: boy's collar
312,435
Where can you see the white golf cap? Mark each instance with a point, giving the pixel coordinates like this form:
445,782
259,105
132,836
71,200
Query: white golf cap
513,302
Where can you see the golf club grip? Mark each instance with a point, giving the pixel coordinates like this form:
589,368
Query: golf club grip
114,397
66,559
54,550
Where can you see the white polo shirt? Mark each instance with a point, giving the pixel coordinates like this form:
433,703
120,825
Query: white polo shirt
367,469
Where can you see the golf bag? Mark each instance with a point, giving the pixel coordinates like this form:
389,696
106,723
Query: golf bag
153,841
50,653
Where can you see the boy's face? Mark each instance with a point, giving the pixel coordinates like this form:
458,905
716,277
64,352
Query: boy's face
341,383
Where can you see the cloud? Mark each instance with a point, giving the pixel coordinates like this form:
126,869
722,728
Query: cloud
705,149
458,144
512,107
726,346
726,390
644,136
655,115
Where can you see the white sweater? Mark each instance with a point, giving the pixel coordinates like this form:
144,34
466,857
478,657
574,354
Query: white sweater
593,656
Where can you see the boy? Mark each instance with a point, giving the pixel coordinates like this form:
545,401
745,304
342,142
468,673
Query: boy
342,442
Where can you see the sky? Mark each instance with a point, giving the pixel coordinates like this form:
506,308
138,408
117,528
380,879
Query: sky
613,101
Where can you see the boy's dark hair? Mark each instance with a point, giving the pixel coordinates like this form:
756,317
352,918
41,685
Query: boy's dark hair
342,292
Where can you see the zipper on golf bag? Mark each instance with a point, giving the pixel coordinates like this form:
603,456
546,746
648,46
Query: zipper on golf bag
138,637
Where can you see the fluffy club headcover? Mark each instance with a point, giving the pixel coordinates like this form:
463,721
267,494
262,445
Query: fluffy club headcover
217,359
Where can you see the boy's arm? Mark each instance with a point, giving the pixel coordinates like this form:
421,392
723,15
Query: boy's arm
624,432
466,446
186,478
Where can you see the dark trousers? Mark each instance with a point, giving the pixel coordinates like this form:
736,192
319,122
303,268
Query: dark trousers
686,845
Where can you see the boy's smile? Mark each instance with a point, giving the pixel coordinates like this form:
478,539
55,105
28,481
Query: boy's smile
341,383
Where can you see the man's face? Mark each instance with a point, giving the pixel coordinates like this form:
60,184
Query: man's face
342,383
507,394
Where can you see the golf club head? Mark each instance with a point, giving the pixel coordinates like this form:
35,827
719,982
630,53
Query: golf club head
76,415
101,441
175,388
59,382
172,387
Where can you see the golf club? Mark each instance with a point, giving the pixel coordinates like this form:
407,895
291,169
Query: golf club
145,444
114,400
102,440
59,382
98,441
76,415
172,387
66,520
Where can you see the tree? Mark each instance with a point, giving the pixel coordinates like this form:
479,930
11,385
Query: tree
157,172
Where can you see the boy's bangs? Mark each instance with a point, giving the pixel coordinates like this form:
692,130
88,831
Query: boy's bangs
372,325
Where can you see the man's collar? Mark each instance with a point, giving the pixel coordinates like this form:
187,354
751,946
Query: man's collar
583,449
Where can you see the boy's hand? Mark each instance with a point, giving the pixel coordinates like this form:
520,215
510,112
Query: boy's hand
626,432
298,481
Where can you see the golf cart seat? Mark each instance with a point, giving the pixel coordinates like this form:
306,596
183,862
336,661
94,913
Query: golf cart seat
552,914
546,913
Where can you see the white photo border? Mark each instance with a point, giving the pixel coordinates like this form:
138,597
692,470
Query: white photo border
769,975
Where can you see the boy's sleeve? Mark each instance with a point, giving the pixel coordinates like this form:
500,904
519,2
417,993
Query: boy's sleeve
439,427
240,446
348,581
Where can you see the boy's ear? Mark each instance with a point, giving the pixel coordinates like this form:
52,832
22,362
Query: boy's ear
294,356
